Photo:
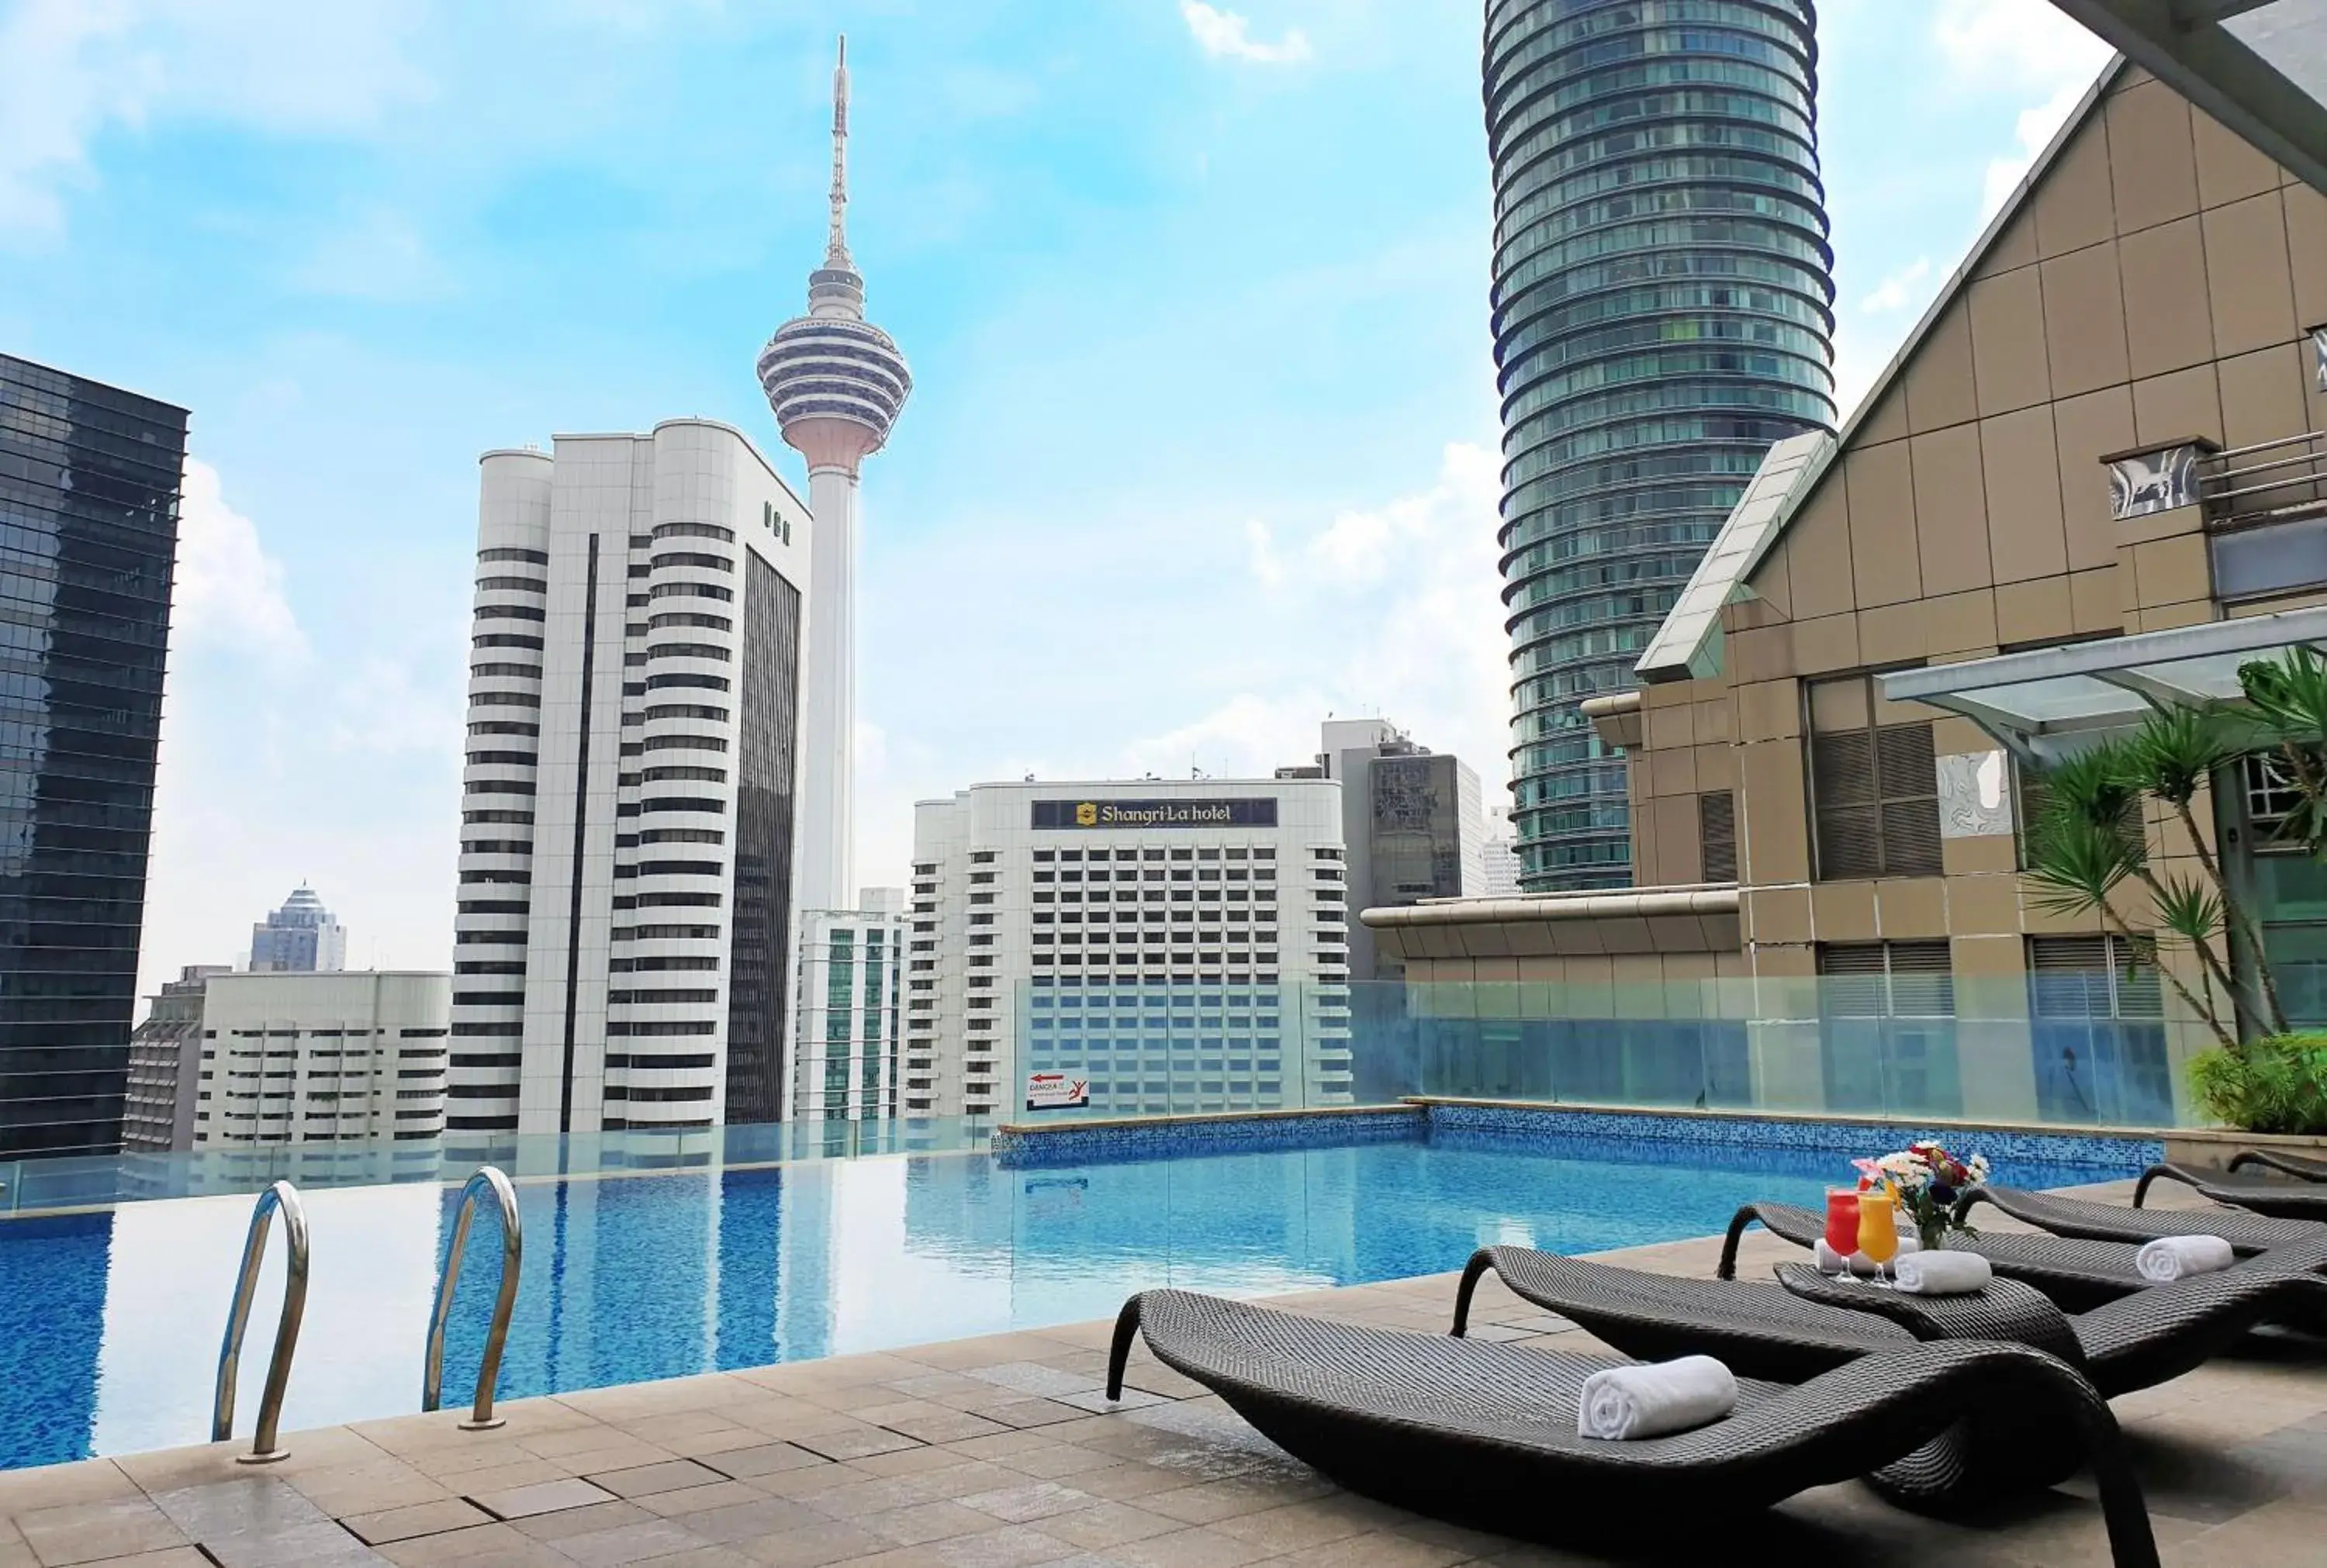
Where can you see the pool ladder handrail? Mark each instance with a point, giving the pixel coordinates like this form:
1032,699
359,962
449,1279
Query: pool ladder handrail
432,1378
264,1448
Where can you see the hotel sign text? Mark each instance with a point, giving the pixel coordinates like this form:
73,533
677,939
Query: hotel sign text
1073,815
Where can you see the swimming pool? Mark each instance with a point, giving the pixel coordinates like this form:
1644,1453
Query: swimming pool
109,1322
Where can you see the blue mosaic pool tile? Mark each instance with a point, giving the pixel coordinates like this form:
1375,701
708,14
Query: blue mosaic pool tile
1567,1133
1072,1144
2113,1152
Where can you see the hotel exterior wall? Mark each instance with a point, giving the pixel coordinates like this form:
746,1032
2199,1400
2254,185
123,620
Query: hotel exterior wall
2157,283
2157,286
303,1057
985,924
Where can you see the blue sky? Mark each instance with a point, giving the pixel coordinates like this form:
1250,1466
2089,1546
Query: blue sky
1203,441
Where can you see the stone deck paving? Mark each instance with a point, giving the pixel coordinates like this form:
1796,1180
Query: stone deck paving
1002,1452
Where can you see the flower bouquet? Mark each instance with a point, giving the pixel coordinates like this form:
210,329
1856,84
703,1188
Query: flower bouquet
1924,1181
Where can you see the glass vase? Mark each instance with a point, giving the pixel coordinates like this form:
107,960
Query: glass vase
1931,1228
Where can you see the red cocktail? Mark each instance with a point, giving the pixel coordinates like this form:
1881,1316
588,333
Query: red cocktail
1842,1221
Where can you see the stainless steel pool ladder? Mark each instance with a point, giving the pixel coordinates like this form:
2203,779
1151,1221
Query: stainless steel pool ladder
431,1378
263,1449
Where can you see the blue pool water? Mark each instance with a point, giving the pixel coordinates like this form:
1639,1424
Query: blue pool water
110,1323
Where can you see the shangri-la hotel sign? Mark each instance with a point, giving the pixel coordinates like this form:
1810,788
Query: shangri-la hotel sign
1087,815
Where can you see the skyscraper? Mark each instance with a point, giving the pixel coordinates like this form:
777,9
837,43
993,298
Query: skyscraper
303,934
1411,825
1662,312
836,383
165,1064
89,480
620,952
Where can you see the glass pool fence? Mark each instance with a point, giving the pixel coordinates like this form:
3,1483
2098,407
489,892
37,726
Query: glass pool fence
2070,1048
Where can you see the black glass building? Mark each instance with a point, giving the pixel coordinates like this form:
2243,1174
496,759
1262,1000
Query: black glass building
89,530
1662,312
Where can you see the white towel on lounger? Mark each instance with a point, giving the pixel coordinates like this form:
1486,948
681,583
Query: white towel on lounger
1941,1273
1652,1399
2172,1257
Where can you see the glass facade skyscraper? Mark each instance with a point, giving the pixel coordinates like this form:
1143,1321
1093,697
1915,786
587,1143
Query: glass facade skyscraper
88,529
1662,312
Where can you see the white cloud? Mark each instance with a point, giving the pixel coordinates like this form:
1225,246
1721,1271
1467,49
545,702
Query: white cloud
1396,611
1902,289
71,70
2015,45
2032,131
1246,737
1260,540
1228,35
2027,47
888,771
384,708
228,591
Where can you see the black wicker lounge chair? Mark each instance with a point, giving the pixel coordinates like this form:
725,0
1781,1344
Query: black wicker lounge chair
1484,1434
2075,1275
2259,1194
2247,1233
2297,1165
1765,1331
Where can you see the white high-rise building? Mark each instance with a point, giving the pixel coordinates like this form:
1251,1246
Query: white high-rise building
301,935
628,820
846,1059
293,1057
1500,868
836,383
1177,947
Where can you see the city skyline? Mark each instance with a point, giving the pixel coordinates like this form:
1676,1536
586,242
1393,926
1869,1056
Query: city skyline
1202,532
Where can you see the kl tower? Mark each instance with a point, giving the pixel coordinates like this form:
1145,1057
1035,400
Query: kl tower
835,382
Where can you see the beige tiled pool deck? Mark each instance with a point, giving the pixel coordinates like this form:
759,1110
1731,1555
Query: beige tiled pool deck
1002,1452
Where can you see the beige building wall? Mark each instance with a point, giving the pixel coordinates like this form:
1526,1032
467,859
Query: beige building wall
2155,284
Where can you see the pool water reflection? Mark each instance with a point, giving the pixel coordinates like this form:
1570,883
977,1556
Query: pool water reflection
110,1323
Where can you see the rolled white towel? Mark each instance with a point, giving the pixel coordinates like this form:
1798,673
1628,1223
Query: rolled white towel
2171,1257
1655,1399
1941,1273
1829,1262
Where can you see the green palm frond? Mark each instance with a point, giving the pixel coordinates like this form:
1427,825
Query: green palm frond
2177,749
2289,694
2099,786
2190,910
2076,863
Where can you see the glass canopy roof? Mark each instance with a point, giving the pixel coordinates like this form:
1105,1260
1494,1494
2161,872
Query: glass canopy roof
2047,704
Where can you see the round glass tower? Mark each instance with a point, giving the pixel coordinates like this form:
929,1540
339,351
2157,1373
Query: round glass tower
1662,312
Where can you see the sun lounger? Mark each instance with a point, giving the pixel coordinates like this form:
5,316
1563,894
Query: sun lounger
1485,1434
2297,1165
2075,1275
2247,1232
2260,1194
1767,1331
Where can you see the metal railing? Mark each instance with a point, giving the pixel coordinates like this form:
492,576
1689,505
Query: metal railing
431,1378
264,1448
2270,481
